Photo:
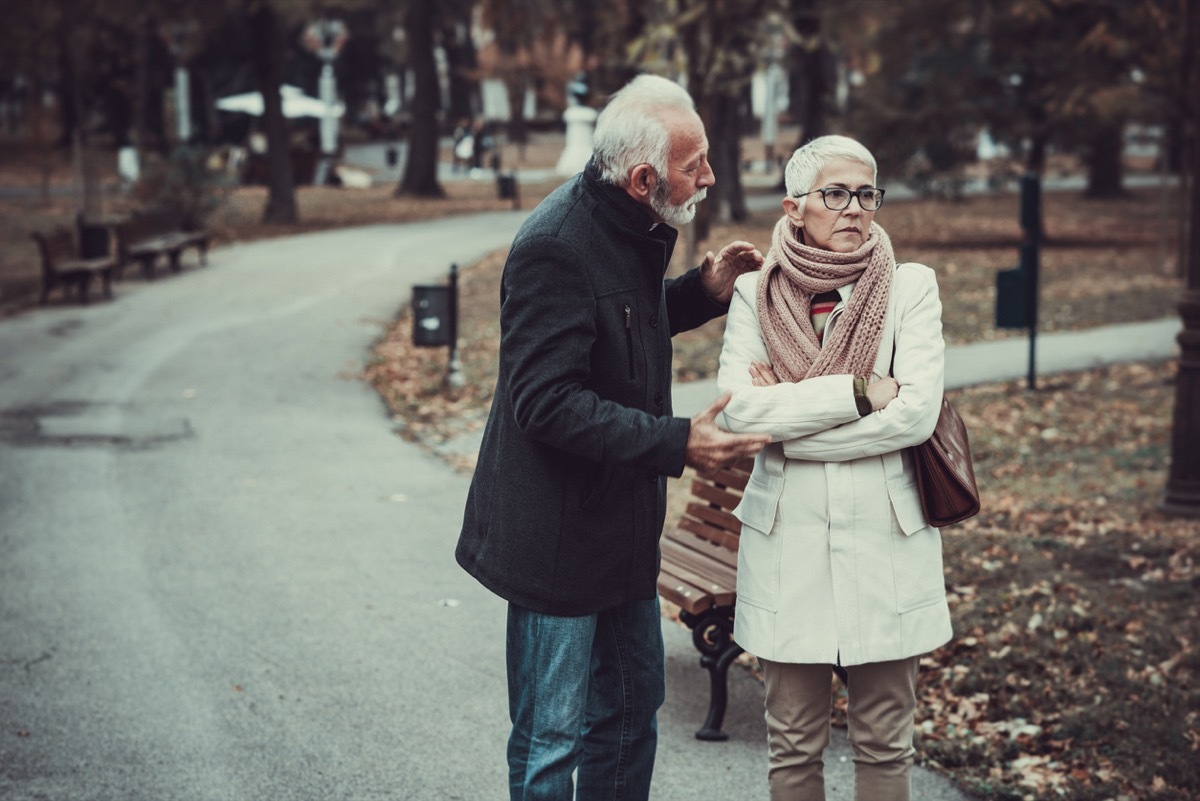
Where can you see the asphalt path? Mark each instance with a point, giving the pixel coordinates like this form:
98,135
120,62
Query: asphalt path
224,576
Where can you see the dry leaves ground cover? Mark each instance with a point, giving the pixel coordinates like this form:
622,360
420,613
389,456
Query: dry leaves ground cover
1073,670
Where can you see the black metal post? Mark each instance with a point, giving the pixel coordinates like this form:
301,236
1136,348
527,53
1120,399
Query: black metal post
1183,478
1031,222
454,369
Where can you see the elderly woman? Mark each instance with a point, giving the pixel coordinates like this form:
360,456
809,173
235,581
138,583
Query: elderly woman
836,351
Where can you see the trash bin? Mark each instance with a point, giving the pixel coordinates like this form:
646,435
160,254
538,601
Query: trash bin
506,188
1012,308
432,315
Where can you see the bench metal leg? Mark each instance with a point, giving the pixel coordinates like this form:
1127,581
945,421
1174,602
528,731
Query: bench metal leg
712,633
147,263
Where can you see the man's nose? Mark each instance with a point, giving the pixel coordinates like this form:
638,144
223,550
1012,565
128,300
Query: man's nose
707,177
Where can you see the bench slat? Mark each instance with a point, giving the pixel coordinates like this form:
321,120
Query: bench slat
678,591
729,477
721,498
706,549
720,518
716,575
712,534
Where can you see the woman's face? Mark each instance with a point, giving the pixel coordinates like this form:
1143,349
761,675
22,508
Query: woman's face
840,231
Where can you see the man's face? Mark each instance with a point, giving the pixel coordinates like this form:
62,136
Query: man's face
688,174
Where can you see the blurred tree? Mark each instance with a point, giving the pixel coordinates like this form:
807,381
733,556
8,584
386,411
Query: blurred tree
522,28
715,46
812,74
462,66
420,171
267,34
1035,73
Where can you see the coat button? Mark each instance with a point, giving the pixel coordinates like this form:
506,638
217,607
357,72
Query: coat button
654,321
658,398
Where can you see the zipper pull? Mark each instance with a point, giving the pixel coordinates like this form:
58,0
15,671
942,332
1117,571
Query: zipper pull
628,317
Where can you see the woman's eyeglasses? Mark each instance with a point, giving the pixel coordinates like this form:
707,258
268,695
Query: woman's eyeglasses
836,198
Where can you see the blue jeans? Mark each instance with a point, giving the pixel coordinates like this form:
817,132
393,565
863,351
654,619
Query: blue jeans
583,693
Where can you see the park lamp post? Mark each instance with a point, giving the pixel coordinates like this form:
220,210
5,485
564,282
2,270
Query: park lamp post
325,38
1182,495
1183,478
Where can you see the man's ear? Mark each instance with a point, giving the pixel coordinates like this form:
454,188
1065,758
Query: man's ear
642,180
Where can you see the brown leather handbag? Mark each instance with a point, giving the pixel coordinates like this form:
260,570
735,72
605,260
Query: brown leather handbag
945,475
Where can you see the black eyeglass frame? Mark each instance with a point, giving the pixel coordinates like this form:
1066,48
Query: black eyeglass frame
851,194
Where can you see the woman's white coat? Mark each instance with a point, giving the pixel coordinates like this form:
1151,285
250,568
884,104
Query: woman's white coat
836,563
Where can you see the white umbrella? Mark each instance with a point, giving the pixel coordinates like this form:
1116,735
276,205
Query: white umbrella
295,103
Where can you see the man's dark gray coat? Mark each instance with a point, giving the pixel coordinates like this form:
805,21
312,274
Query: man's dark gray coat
568,499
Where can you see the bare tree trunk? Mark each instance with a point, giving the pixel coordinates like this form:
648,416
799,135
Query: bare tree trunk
420,171
268,61
141,86
462,63
518,130
1104,178
726,157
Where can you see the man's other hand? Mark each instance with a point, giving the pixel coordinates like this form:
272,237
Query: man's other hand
710,447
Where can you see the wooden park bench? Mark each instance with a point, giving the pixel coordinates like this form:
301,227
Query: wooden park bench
62,266
147,235
699,575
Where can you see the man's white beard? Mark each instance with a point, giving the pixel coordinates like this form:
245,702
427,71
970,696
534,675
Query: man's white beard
675,215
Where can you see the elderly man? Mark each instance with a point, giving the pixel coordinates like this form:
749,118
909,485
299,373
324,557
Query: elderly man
568,499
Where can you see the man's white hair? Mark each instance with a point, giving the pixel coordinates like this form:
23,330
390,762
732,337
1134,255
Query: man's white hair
630,130
808,161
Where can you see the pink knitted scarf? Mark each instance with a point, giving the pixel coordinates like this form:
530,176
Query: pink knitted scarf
793,273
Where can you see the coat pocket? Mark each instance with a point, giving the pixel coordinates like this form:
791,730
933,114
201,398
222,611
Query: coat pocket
906,505
760,502
758,568
916,551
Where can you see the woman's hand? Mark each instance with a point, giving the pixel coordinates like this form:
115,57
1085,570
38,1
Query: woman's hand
761,374
882,392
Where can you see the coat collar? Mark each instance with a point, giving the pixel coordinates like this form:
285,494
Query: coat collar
627,212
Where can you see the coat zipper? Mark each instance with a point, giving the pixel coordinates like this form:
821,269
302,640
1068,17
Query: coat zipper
629,336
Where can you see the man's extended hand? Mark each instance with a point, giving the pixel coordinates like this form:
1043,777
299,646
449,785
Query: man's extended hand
710,447
718,274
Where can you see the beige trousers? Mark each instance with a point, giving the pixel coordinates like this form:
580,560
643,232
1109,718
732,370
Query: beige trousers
882,702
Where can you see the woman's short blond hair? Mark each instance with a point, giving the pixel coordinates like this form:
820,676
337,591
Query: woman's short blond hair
809,160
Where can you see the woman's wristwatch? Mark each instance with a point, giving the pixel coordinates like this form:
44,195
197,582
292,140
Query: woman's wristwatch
860,396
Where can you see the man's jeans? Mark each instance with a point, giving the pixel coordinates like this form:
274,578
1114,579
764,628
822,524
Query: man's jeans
583,693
